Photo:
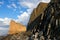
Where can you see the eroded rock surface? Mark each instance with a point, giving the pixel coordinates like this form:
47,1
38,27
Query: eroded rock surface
16,27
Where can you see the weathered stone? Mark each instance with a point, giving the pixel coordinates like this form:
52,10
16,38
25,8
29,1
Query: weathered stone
37,11
16,28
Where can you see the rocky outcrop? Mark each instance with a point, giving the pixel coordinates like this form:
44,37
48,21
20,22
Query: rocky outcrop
48,24
37,11
16,27
24,36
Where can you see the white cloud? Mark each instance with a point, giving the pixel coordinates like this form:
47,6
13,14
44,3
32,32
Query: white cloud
13,5
32,3
7,21
27,4
4,21
23,18
46,1
1,19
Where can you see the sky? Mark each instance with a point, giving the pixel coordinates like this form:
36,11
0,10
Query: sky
17,10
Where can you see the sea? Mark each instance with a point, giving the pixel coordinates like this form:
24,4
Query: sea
4,30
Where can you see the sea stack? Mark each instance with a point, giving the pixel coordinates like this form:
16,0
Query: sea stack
16,27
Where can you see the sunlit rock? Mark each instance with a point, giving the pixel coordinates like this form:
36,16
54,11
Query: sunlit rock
16,27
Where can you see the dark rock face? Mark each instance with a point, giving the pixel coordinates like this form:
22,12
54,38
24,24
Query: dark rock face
48,21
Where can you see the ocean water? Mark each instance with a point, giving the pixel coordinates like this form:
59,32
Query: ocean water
4,31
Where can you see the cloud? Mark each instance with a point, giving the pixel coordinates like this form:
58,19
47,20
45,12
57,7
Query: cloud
7,21
4,21
45,1
23,18
32,3
27,4
13,5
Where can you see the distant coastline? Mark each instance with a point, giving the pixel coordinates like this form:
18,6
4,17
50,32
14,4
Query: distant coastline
3,31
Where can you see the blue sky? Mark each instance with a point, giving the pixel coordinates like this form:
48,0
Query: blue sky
17,10
10,8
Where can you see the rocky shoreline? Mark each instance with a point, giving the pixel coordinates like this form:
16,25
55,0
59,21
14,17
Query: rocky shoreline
25,36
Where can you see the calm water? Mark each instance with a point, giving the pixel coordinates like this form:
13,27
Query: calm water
4,30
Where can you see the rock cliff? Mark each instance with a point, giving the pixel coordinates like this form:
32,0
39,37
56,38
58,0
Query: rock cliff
16,27
37,11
